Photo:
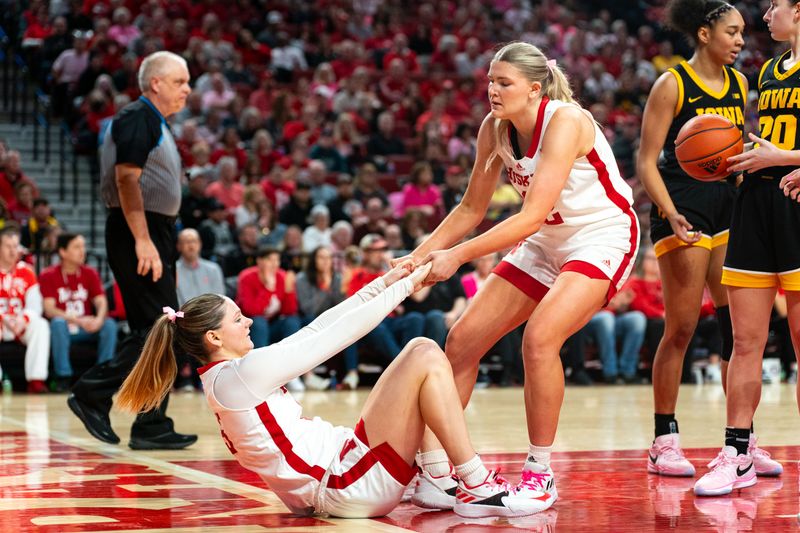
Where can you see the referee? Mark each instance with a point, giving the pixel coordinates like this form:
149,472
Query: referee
140,184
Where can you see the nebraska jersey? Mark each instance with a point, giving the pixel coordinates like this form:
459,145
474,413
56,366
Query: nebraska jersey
289,452
594,191
14,287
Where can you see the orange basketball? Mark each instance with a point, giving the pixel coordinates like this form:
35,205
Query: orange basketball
705,143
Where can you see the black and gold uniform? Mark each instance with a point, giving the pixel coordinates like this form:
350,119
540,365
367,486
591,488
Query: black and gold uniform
764,247
707,206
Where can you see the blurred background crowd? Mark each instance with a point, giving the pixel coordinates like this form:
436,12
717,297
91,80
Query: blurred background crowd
323,137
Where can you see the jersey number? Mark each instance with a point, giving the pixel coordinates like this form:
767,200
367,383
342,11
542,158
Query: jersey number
225,437
781,131
10,306
553,219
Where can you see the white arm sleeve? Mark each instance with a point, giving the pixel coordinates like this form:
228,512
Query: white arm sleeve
367,293
249,380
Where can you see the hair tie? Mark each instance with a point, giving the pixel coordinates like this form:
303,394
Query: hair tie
171,313
551,64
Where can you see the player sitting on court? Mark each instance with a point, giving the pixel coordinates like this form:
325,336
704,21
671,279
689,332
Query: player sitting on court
313,466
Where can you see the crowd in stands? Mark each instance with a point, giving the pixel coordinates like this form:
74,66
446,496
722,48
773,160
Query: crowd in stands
323,138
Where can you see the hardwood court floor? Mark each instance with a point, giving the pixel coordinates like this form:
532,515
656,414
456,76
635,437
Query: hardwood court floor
55,478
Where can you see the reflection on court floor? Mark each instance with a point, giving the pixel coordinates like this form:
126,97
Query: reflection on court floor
55,478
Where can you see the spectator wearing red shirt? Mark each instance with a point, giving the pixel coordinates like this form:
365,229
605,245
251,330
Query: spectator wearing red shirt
76,304
38,29
649,299
400,50
11,176
254,54
442,125
21,310
262,97
22,207
393,87
310,123
231,147
266,294
263,147
277,189
346,61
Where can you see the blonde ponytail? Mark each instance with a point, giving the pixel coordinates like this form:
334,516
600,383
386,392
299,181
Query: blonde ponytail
533,65
154,373
558,86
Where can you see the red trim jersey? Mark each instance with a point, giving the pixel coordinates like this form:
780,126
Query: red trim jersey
303,460
595,189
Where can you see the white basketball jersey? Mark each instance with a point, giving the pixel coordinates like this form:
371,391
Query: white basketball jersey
289,452
594,191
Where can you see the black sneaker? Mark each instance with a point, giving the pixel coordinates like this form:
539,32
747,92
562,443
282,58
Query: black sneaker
96,421
165,441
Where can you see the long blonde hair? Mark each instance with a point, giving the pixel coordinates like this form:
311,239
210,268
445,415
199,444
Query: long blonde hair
154,373
532,63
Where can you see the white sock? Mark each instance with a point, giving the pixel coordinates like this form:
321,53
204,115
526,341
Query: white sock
472,472
435,462
538,455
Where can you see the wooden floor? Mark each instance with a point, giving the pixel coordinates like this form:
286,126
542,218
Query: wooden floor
55,478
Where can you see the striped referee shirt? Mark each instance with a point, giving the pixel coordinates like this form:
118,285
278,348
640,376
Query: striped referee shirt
140,136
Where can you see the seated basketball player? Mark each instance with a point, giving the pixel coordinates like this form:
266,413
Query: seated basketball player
311,465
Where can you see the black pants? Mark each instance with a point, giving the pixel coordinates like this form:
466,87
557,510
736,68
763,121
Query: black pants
143,301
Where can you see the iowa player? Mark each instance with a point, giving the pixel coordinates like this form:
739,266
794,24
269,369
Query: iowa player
689,219
764,247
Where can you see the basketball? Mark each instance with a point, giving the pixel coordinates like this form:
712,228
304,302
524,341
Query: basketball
704,144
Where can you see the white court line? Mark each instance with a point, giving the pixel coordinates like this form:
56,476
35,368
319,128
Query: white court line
203,478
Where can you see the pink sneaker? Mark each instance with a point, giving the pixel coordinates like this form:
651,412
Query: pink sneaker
728,471
666,457
537,479
496,497
765,465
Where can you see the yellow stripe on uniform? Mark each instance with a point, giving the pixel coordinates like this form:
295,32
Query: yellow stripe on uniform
740,78
790,281
763,70
752,280
703,86
680,90
667,244
720,239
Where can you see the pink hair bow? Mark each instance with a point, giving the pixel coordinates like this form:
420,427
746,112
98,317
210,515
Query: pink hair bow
171,313
551,64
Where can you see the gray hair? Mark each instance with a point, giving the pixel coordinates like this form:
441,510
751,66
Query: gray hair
155,65
228,161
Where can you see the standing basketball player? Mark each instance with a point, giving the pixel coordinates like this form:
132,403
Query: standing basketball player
576,237
690,218
763,250
311,465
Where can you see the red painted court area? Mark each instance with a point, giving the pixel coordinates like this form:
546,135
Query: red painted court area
50,487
